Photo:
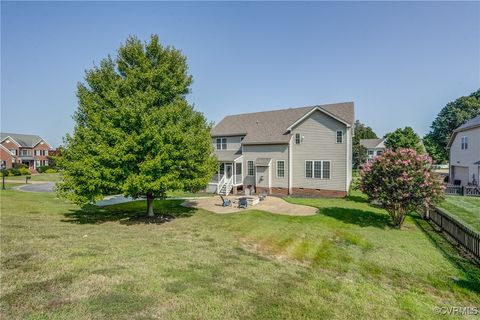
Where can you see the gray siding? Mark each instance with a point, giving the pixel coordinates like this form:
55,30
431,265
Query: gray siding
275,152
319,143
465,158
233,143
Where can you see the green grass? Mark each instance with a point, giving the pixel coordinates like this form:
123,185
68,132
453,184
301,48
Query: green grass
62,262
54,177
466,209
183,194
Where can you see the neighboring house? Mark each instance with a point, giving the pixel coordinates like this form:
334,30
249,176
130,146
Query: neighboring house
304,150
375,147
464,146
30,150
7,159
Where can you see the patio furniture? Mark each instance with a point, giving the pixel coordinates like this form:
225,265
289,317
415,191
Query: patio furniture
263,196
242,203
226,202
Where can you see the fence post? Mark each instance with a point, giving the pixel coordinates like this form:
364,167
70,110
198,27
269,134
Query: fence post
462,191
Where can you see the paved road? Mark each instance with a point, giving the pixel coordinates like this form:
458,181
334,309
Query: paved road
38,187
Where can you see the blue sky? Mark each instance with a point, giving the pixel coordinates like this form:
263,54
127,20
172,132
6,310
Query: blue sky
399,62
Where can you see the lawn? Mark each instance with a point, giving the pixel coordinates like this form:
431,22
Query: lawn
465,209
59,261
54,177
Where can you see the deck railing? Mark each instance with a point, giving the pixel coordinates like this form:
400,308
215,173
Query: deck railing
470,191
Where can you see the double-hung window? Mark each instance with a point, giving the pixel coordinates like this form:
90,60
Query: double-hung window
317,169
339,136
298,138
464,142
221,143
280,169
250,168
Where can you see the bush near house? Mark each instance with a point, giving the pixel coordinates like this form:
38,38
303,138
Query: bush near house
42,169
24,171
401,181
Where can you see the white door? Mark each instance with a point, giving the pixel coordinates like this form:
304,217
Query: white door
228,170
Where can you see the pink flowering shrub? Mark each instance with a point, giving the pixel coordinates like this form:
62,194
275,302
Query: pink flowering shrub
401,181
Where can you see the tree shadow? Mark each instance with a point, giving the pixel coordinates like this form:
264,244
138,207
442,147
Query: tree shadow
355,198
129,213
362,218
470,271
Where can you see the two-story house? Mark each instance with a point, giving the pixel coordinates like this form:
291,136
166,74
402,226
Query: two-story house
30,150
375,147
302,151
464,147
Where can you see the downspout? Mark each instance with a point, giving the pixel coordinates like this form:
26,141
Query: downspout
290,165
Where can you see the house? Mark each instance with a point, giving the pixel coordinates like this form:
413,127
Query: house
375,147
30,150
464,147
300,151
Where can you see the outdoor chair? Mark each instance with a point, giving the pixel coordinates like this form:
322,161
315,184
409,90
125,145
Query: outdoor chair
226,202
262,196
242,203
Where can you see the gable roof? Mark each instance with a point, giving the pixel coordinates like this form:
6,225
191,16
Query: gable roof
273,126
372,143
6,150
470,124
24,140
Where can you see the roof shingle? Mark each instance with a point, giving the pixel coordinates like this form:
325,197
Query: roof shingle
271,126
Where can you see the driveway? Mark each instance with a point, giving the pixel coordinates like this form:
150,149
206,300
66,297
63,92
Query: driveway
37,187
271,204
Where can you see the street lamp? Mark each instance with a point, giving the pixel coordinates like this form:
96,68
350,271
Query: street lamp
3,176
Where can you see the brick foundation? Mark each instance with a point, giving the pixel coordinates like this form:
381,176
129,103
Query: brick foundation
303,192
319,193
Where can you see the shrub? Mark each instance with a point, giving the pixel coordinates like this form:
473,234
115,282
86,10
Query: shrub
4,172
24,171
15,172
50,170
401,181
17,165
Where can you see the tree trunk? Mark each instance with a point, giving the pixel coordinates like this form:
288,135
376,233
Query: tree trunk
150,199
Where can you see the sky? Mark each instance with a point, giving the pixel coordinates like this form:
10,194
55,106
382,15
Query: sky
400,63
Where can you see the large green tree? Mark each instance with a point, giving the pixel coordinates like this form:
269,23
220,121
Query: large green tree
134,132
403,138
359,152
450,117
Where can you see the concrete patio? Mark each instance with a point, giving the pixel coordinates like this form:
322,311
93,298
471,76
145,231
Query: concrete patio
271,204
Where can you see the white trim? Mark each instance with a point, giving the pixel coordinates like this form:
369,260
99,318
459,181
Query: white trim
313,170
312,111
290,165
276,169
48,144
8,137
7,150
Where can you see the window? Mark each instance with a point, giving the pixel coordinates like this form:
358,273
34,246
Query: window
45,162
298,138
464,141
238,168
250,167
13,151
37,163
379,152
325,169
280,169
308,169
317,169
339,136
222,169
221,143
370,152
25,152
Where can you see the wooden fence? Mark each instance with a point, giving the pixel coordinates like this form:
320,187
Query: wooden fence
464,235
469,191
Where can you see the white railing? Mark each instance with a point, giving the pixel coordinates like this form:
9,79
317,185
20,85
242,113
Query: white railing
221,183
229,185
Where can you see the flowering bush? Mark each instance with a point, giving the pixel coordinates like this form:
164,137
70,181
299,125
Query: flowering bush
401,181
